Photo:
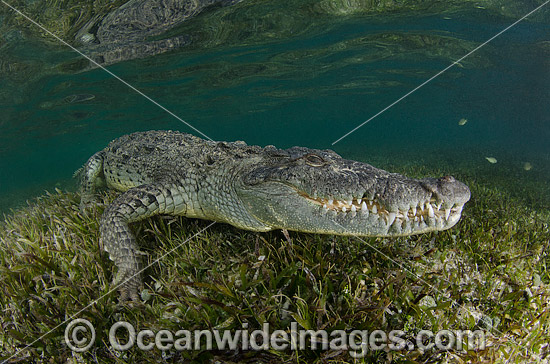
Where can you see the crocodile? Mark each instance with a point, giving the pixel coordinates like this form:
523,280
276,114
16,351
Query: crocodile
128,32
255,188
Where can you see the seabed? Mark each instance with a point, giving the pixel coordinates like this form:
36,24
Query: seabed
487,273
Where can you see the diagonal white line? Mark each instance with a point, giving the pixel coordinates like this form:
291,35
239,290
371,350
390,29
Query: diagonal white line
102,296
411,272
178,118
425,282
106,70
154,102
439,73
414,274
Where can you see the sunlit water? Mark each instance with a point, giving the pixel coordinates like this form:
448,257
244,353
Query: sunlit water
307,85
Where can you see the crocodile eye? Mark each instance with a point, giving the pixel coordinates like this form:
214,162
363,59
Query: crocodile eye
314,160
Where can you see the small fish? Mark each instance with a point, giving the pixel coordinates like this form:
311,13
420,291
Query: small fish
491,160
462,121
527,166
87,38
46,105
72,99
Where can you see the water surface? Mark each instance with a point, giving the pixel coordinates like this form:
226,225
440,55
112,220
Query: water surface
275,75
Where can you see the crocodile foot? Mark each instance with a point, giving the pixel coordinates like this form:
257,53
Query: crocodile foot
128,284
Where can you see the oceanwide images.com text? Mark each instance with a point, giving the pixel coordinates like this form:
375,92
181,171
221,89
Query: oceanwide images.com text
80,336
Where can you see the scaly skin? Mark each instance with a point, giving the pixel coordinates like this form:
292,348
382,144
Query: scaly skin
125,33
258,189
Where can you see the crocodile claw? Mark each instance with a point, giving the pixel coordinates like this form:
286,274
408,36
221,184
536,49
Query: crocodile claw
128,285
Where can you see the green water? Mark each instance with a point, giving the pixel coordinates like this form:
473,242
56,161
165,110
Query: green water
271,73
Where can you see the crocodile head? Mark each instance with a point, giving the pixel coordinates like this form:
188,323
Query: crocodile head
318,191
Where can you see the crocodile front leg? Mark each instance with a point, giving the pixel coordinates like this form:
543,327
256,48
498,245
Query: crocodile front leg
91,176
116,238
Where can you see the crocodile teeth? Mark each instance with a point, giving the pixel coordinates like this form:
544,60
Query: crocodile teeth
423,213
391,218
430,210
